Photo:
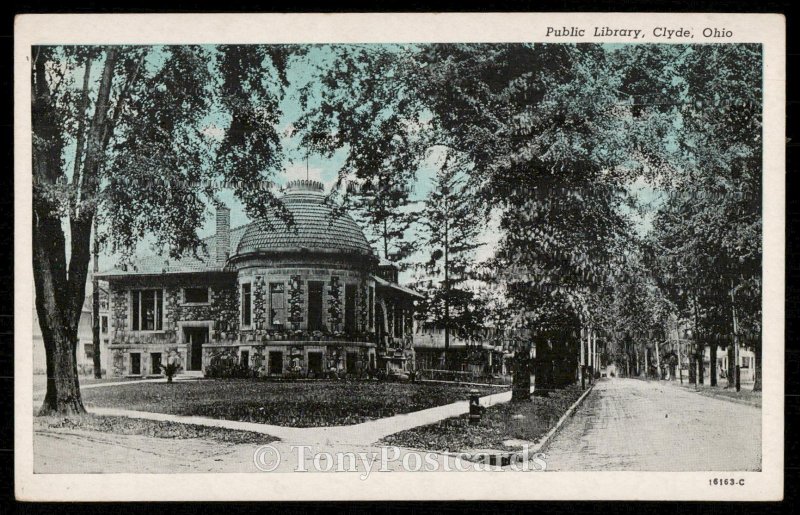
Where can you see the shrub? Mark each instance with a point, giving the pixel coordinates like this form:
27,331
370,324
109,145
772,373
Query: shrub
170,369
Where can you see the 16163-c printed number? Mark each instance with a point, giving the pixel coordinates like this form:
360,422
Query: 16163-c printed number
725,481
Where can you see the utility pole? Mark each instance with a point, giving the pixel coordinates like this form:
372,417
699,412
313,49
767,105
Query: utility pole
446,290
96,306
582,368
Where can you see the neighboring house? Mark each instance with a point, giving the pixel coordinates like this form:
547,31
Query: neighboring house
680,343
85,352
746,361
276,298
485,355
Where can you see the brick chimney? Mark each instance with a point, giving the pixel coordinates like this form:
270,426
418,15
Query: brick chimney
223,237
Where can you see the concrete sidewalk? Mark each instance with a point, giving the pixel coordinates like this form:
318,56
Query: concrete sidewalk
365,433
746,396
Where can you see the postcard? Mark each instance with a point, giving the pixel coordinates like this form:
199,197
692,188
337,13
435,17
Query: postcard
399,256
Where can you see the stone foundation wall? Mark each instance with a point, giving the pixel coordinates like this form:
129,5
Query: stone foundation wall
294,357
120,358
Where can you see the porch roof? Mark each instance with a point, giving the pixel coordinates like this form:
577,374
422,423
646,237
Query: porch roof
383,283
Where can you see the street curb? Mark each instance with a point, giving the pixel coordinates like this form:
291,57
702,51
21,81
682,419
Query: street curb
500,457
531,452
537,447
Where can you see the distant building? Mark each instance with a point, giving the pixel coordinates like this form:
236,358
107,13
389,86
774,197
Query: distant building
680,344
277,299
487,354
747,364
85,352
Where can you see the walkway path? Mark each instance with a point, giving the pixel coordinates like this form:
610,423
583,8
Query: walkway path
77,451
630,424
359,434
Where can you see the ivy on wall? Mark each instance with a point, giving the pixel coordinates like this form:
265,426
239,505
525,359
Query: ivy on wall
389,314
335,304
259,304
296,301
362,306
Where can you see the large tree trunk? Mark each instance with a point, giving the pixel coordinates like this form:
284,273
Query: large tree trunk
757,383
712,362
700,366
521,370
60,335
98,370
521,384
543,365
729,350
61,289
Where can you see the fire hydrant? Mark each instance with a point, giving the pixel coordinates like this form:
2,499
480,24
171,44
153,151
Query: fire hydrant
474,407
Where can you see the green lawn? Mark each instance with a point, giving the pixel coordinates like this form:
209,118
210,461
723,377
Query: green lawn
745,396
40,381
295,404
499,423
150,428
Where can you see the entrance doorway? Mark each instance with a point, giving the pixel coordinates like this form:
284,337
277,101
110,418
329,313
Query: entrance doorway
195,338
352,358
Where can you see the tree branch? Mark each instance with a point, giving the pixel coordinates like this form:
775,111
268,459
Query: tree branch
80,143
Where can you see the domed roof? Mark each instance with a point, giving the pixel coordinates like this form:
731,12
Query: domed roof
316,226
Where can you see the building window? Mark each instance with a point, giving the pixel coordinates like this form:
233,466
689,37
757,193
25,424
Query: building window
136,363
147,311
275,363
371,308
155,360
315,305
88,349
398,321
745,362
350,308
246,304
104,324
277,303
244,359
195,295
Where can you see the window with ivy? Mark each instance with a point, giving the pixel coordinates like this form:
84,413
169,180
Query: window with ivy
147,310
247,307
277,303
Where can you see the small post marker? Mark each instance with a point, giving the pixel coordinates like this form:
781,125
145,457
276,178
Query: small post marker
474,407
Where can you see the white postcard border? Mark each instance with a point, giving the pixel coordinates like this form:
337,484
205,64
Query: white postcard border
767,29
